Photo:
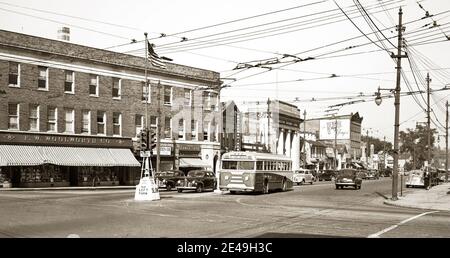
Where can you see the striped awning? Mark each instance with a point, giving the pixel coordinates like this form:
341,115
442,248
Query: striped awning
66,156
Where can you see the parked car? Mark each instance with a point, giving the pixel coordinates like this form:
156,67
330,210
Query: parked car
303,176
168,179
198,180
415,178
327,175
348,177
372,174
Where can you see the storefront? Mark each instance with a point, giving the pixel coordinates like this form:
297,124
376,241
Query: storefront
44,160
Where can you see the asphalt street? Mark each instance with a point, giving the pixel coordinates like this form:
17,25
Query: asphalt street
317,210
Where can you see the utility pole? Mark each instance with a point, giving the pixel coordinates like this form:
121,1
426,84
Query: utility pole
158,129
304,137
399,57
335,141
428,120
446,142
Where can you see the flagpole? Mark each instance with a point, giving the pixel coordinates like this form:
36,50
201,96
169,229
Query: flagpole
146,82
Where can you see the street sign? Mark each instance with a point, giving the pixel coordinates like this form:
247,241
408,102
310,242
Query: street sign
145,154
146,190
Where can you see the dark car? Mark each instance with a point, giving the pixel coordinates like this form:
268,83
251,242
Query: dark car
168,179
372,174
327,175
198,180
348,177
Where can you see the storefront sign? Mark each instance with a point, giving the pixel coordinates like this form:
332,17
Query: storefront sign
190,148
163,151
64,140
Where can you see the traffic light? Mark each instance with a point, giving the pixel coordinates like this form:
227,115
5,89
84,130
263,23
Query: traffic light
152,140
143,140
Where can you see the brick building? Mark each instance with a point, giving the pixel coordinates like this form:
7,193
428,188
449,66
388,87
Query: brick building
70,113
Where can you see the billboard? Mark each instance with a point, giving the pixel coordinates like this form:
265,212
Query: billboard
327,129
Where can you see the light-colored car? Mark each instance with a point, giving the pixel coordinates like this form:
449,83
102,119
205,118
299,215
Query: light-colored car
303,176
415,178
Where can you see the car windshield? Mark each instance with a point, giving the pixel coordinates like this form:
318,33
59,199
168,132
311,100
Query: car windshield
196,173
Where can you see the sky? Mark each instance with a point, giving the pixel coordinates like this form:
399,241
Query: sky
225,35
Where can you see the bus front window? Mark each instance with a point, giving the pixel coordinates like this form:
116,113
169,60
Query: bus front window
246,165
229,164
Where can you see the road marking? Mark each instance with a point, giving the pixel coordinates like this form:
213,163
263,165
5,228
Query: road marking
378,234
73,236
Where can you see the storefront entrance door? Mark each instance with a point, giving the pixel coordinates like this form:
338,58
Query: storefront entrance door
73,175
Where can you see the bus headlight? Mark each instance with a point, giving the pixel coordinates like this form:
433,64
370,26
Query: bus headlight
227,177
246,178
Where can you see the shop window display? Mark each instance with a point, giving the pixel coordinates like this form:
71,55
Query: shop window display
47,175
4,179
90,176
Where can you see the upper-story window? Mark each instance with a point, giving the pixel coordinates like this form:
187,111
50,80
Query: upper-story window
69,82
117,88
168,95
181,129
43,78
52,116
194,133
93,85
117,124
101,121
34,118
153,122
13,115
168,127
206,100
206,131
86,128
138,123
14,74
146,92
69,120
187,97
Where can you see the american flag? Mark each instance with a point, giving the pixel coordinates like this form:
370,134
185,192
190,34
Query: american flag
154,59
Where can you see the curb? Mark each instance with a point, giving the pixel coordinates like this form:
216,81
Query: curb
389,203
69,188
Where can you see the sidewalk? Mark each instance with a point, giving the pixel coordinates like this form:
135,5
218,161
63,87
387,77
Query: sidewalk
71,188
437,198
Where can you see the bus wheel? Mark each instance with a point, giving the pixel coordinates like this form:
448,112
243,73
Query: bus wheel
266,187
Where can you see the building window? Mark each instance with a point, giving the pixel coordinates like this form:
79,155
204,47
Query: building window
93,85
213,131
69,121
43,78
167,127
14,74
146,92
52,119
117,124
13,114
69,82
213,101
34,118
101,121
187,97
138,123
86,129
206,100
181,130
194,134
168,95
205,131
117,88
153,122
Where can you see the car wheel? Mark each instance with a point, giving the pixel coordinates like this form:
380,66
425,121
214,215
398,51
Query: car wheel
298,183
303,181
199,188
168,187
337,187
232,192
312,181
180,190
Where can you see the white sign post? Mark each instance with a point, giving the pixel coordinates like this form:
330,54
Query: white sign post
147,189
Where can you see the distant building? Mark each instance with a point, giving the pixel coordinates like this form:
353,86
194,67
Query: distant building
231,127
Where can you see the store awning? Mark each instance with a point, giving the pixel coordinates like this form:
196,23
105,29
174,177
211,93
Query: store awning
193,162
16,155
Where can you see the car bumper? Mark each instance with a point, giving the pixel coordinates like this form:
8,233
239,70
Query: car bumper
346,183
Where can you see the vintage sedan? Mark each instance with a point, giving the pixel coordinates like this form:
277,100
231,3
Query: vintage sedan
372,174
168,179
327,175
348,177
415,178
198,180
303,176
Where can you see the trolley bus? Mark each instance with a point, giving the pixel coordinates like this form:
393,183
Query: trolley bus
255,172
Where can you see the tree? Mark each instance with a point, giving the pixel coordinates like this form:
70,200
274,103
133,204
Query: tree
378,145
415,143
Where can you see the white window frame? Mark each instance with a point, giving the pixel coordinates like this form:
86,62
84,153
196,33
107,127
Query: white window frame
46,78
17,115
72,91
18,75
89,122
97,85
119,124
195,138
208,131
120,88
37,118
55,121
171,96
184,130
139,128
190,96
73,120
103,123
170,129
